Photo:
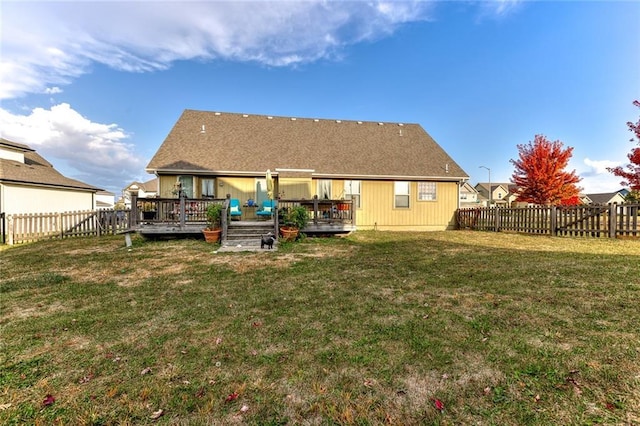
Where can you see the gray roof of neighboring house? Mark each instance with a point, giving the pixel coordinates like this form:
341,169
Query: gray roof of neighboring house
36,171
229,143
602,198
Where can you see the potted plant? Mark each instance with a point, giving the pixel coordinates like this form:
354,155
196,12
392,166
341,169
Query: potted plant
213,230
295,219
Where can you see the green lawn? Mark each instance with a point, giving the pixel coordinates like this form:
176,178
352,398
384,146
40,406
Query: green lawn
375,328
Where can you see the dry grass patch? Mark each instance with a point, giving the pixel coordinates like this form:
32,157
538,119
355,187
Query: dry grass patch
370,329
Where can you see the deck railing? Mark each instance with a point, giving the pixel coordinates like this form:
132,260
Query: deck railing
321,211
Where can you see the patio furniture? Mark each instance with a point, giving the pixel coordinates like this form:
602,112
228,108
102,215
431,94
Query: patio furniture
266,210
234,209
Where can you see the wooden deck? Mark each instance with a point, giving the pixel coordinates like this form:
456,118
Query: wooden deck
185,218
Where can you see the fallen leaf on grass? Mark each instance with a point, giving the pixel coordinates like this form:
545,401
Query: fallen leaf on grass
5,406
145,371
610,406
48,400
86,379
244,409
200,393
257,323
232,397
439,405
218,340
156,414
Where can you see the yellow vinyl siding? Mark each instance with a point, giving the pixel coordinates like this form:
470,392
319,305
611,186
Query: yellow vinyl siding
377,210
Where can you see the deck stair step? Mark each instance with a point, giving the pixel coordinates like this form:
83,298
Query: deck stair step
248,230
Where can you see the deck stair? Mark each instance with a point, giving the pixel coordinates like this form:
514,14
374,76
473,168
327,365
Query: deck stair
246,235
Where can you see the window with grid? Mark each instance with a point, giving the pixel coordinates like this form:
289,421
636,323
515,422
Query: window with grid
426,191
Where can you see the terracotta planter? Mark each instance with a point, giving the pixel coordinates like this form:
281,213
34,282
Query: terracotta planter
212,236
288,233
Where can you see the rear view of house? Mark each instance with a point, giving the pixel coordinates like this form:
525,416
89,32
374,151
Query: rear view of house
398,177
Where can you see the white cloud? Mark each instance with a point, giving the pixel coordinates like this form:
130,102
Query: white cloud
52,90
95,153
596,179
47,43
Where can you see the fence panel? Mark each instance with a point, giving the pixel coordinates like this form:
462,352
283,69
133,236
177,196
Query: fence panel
23,228
597,221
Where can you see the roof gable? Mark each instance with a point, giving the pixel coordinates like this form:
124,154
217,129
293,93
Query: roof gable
227,143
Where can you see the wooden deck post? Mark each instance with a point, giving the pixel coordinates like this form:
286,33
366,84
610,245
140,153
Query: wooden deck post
315,209
182,208
133,215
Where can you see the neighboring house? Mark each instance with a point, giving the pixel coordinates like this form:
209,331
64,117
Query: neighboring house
397,175
606,198
30,184
105,200
500,195
148,189
469,196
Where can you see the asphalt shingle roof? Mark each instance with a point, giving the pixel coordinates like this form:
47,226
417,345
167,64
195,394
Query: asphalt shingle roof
227,143
35,170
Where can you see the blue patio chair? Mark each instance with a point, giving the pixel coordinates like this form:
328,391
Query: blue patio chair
267,209
234,209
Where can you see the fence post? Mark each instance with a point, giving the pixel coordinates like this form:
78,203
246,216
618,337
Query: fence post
612,220
10,229
496,212
553,223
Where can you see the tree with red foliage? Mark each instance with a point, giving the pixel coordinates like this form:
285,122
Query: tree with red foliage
539,173
631,172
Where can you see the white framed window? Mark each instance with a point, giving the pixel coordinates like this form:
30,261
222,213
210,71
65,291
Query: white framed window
401,195
426,191
352,191
208,188
324,189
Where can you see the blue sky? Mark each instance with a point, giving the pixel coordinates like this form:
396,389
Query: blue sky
95,87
